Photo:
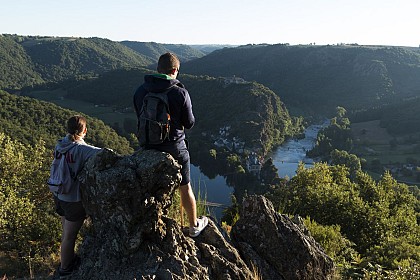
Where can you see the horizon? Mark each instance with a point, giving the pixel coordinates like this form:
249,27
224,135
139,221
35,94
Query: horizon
210,44
234,22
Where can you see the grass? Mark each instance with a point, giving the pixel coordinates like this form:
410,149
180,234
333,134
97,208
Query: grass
370,132
373,142
175,209
105,113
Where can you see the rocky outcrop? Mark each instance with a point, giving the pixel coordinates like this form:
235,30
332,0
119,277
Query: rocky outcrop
130,237
276,245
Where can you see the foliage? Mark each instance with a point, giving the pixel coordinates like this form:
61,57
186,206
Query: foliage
29,61
350,160
316,79
29,229
378,217
16,68
256,116
260,119
62,58
410,271
155,50
335,136
269,173
231,214
335,245
29,120
399,118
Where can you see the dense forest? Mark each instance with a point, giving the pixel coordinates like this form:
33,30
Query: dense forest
316,79
35,60
246,99
261,120
154,50
29,121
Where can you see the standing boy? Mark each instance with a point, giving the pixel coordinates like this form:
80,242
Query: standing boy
181,117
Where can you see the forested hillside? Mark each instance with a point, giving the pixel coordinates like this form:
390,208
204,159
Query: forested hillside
316,79
154,50
62,58
370,228
98,71
33,60
28,120
16,67
252,112
400,118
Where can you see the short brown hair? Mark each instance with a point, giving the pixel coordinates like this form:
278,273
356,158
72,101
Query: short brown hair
168,62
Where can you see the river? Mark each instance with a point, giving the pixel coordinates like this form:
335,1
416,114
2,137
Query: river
286,159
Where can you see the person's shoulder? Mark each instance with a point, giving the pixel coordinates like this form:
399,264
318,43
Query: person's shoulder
83,145
140,90
179,86
180,89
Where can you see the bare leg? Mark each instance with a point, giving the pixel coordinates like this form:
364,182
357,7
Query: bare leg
68,240
189,204
63,221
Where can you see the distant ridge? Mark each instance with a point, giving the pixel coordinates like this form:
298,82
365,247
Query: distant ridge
315,79
28,61
34,60
154,50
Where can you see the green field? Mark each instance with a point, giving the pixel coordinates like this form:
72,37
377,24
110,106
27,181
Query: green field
373,142
105,113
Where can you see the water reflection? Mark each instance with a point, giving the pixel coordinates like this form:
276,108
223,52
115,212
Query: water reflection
286,159
213,190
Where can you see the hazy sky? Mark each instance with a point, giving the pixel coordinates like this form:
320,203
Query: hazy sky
366,22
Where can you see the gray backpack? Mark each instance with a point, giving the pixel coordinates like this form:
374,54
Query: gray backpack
61,179
154,119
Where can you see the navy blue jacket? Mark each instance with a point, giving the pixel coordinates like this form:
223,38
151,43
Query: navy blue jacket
180,106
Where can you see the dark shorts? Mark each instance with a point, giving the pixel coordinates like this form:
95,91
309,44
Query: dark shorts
72,211
178,151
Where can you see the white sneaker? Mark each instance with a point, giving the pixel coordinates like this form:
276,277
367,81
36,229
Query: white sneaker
202,222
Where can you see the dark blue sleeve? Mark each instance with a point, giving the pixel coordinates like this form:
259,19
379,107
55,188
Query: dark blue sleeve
138,99
187,116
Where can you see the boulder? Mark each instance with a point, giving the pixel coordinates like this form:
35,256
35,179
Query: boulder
278,247
130,236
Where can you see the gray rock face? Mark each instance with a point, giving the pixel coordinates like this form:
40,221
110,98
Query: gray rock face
276,245
129,235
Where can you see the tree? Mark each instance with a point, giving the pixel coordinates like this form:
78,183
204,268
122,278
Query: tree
336,136
369,213
340,111
29,228
349,160
269,173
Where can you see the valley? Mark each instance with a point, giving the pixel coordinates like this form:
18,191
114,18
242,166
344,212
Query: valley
366,218
371,141
108,114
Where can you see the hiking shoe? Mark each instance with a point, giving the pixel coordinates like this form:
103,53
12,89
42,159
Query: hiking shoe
74,265
202,222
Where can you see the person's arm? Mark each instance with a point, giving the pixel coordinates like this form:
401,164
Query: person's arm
187,115
138,101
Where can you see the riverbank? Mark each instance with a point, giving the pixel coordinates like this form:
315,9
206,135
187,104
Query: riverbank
285,158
